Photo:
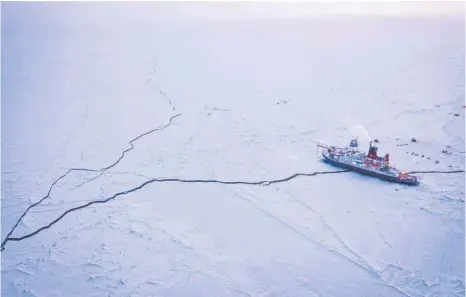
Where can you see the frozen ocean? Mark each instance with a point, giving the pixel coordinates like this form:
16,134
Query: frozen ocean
151,150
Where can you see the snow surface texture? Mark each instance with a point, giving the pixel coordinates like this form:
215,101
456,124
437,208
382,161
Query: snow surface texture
193,131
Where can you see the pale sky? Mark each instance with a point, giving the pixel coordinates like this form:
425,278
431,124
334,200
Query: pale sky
275,9
262,9
149,11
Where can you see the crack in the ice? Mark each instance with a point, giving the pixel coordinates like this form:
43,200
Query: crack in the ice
154,72
165,95
384,239
435,171
86,181
103,170
160,180
40,201
214,108
100,171
140,136
88,148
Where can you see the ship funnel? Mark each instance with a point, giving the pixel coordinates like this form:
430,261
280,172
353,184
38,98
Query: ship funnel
354,142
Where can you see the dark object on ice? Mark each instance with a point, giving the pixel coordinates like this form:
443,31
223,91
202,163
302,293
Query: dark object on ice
412,153
397,139
352,158
428,158
437,105
413,139
402,144
436,162
416,155
422,156
376,140
457,114
448,146
450,166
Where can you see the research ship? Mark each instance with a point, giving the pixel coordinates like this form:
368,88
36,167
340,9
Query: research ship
370,164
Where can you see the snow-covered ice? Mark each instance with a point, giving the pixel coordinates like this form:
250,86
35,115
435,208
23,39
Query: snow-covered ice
231,100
